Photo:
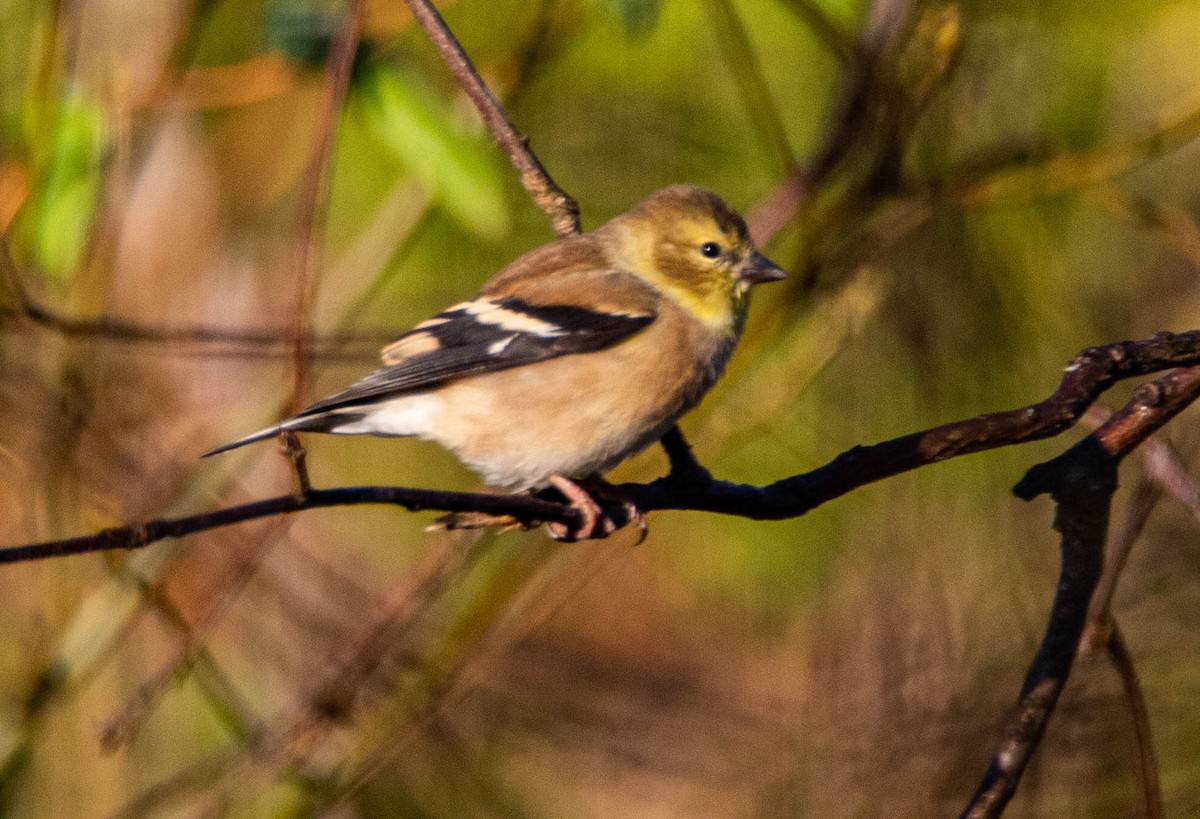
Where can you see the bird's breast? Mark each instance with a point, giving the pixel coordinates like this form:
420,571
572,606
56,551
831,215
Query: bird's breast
578,414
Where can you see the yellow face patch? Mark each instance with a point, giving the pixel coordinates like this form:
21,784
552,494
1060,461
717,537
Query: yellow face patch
691,258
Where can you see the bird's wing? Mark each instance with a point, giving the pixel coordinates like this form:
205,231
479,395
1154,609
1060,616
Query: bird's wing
488,334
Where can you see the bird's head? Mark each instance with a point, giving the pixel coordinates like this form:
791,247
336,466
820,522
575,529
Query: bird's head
692,246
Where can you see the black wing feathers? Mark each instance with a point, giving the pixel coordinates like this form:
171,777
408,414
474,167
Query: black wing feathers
484,336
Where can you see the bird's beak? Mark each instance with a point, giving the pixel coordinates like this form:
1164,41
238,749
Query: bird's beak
758,269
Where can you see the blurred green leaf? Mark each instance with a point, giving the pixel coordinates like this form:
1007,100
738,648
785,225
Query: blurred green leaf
421,130
61,214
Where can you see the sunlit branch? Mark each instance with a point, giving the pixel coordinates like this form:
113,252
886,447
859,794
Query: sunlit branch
554,202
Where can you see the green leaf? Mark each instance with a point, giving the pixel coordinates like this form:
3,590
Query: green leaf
65,205
421,131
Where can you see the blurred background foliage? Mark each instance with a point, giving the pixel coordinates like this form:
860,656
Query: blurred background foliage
967,193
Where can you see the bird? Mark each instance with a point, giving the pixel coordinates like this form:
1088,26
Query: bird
573,357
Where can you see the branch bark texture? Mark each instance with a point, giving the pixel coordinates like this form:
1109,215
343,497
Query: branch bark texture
688,486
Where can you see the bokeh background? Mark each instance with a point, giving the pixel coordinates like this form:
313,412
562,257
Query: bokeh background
967,193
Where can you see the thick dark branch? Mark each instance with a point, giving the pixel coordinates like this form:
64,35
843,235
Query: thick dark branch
1082,481
525,509
554,202
1087,376
688,485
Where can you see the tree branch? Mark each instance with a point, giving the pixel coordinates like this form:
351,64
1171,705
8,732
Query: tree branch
1082,481
688,486
525,509
554,202
243,343
1088,375
313,186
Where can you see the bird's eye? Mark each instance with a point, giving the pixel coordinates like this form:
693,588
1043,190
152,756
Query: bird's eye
710,250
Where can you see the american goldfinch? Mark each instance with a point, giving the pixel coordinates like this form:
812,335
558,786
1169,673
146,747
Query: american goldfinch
575,356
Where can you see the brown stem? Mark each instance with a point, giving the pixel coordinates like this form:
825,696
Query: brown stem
311,218
1122,660
554,202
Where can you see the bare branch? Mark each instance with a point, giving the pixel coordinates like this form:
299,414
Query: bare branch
554,202
1122,660
206,340
524,508
245,343
313,187
1082,481
1090,373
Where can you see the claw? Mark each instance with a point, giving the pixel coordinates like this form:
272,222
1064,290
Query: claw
638,517
595,522
605,491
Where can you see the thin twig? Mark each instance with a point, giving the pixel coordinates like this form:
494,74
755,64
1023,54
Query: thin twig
1122,661
313,187
554,202
255,343
212,342
1018,179
1102,629
1142,500
825,29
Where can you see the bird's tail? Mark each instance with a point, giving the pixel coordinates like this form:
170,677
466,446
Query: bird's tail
319,422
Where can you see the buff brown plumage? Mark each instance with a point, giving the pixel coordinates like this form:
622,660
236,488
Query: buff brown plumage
575,356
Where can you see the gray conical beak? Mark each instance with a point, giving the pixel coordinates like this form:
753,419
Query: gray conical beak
758,269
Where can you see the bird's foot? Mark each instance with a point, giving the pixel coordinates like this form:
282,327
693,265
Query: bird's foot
607,492
597,521
594,524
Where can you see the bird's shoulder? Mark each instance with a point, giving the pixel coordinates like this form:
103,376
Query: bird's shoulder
577,271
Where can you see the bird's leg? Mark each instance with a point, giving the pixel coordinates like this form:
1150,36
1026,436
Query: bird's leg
605,491
595,522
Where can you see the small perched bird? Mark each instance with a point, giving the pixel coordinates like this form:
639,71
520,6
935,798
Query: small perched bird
575,356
